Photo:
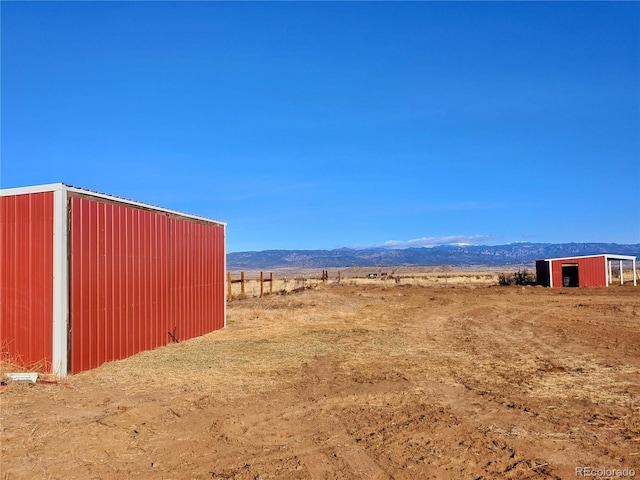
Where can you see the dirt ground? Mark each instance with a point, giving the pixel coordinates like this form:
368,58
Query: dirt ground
355,382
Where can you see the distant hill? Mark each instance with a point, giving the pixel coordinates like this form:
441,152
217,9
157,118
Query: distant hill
473,255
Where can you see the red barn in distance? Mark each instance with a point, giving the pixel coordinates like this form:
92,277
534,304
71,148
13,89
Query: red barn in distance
86,278
583,271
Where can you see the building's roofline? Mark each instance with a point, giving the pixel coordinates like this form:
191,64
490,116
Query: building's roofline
609,256
51,187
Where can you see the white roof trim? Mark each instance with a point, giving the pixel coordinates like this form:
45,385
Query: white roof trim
608,256
49,187
52,187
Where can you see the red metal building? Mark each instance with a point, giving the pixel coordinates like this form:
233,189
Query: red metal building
583,271
86,278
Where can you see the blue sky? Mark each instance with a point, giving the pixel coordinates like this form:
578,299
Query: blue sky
310,125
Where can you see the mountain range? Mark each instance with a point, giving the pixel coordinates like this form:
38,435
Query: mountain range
517,254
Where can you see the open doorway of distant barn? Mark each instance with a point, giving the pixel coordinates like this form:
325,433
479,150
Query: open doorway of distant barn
570,275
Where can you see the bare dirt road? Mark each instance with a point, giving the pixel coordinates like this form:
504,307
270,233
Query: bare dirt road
355,382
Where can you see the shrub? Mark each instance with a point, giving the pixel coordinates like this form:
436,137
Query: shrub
521,277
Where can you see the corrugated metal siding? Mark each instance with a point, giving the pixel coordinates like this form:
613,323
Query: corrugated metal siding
591,271
136,275
119,261
26,279
197,278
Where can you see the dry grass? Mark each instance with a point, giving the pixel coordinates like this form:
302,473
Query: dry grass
352,381
297,333
292,280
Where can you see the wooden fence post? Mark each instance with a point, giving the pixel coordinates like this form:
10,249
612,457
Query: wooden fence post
242,283
261,284
228,286
271,283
